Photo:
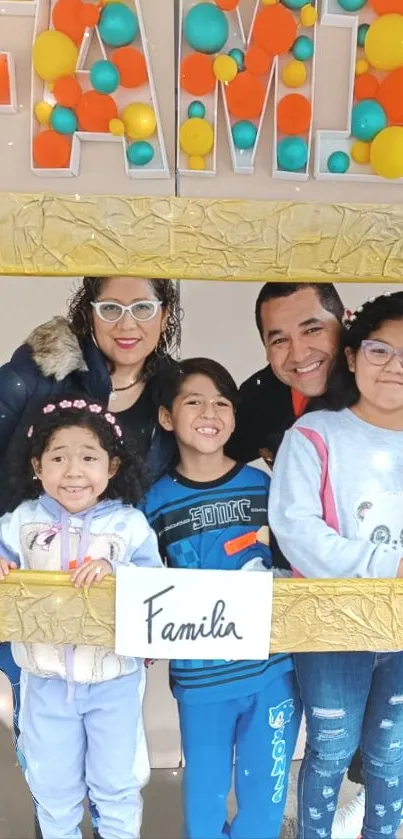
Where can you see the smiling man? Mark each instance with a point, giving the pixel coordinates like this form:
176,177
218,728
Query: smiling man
299,326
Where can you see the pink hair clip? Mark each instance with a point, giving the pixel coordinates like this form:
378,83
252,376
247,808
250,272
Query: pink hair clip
110,418
65,403
79,403
49,408
94,408
118,430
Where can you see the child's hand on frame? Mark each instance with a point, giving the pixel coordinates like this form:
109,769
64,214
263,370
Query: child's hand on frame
5,567
91,572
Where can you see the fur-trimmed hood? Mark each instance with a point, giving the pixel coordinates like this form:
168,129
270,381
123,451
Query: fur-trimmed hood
56,350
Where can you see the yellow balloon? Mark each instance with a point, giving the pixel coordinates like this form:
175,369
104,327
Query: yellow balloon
360,152
387,153
225,68
384,42
361,66
294,74
54,55
197,163
308,15
117,127
139,121
196,137
269,2
42,111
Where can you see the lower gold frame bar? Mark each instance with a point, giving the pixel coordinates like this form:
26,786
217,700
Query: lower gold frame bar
308,615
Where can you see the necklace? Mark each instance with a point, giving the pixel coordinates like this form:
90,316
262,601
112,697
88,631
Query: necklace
116,390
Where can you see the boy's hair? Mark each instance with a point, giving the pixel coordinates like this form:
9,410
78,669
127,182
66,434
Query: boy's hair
326,293
342,390
131,479
172,384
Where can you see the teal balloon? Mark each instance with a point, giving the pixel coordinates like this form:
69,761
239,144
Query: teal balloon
302,48
206,28
63,120
196,109
362,34
294,4
239,57
104,76
292,154
338,162
244,134
118,25
367,120
351,5
140,153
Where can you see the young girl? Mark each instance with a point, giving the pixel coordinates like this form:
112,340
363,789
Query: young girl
336,507
204,514
74,484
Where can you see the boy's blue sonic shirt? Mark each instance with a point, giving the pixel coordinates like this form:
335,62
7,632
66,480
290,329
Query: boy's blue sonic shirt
213,525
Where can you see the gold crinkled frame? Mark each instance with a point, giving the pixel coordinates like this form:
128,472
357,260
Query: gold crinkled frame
308,615
199,239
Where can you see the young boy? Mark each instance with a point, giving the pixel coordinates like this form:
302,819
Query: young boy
250,708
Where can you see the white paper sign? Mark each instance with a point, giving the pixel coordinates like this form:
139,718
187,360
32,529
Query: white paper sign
176,613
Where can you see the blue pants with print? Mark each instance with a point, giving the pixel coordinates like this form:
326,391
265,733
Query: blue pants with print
262,729
92,742
13,672
351,700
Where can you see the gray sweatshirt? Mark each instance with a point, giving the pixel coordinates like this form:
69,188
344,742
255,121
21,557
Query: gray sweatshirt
336,498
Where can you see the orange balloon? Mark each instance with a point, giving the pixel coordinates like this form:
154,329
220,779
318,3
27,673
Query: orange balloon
275,29
67,91
257,61
197,74
294,114
5,94
95,111
227,5
90,14
131,65
51,150
390,95
66,18
387,7
366,87
245,96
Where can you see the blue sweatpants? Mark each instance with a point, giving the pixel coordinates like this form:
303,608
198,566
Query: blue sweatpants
13,672
93,742
262,730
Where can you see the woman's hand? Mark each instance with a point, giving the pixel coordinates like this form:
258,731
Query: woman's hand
91,572
5,567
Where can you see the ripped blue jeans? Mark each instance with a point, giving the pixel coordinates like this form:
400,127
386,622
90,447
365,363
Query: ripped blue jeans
351,700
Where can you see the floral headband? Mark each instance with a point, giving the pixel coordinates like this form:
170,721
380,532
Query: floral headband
81,404
350,317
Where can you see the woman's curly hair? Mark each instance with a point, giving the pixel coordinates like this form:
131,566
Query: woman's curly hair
80,316
131,480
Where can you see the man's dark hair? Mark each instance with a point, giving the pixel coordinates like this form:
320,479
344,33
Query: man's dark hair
326,293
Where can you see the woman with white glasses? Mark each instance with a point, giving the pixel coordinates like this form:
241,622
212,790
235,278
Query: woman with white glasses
114,346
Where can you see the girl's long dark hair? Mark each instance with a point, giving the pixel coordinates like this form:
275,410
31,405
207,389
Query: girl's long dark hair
131,480
80,316
342,390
